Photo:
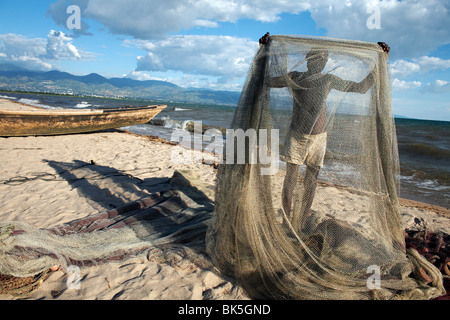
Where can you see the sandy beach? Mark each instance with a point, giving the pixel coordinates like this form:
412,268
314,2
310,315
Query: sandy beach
44,200
32,191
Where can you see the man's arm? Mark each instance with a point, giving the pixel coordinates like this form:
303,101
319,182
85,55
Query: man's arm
358,87
352,86
276,82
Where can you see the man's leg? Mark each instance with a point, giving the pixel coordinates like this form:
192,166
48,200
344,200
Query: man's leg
309,191
290,181
302,207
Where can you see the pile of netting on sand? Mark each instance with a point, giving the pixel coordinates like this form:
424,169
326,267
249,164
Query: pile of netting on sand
282,234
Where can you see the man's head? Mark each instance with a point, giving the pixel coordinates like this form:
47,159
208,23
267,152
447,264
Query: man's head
316,60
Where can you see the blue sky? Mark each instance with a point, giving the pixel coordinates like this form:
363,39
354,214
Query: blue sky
210,43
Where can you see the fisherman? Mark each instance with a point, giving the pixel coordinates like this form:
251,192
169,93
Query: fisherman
306,140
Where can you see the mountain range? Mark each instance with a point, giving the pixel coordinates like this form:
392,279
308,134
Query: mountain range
13,77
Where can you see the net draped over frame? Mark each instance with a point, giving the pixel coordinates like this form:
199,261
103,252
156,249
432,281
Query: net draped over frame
329,224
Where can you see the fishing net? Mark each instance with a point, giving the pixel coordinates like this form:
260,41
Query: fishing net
328,225
167,226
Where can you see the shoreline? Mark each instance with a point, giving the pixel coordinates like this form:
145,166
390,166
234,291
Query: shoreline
402,201
417,184
6,104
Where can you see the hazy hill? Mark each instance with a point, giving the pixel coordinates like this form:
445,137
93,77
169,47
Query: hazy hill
13,77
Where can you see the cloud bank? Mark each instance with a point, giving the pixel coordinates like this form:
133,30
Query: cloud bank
412,28
147,20
224,57
39,53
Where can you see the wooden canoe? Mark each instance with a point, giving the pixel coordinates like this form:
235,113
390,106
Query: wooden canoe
31,122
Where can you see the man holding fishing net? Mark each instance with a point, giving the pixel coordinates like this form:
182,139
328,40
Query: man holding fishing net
307,137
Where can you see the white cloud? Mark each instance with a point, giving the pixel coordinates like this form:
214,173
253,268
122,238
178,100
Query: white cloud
423,65
18,45
17,48
437,86
59,46
33,63
139,75
219,56
39,53
205,23
432,63
402,84
404,68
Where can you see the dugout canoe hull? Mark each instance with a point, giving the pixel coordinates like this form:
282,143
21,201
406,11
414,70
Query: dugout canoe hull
37,122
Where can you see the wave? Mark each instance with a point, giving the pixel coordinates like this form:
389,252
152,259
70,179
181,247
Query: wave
425,183
35,103
8,97
83,104
422,150
188,125
181,109
167,122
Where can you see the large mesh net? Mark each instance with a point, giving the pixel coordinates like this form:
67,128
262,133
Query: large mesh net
328,226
